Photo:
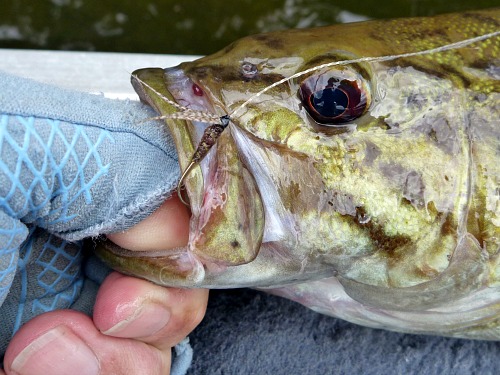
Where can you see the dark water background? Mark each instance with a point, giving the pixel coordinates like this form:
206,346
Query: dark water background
186,26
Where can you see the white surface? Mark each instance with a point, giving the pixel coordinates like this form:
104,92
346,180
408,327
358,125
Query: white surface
96,72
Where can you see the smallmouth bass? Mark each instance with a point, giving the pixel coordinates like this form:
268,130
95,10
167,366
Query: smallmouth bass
367,191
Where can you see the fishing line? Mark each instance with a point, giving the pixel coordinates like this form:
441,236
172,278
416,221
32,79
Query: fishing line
207,117
446,47
219,123
185,113
208,139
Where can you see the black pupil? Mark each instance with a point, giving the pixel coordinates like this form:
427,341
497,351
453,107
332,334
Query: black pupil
330,102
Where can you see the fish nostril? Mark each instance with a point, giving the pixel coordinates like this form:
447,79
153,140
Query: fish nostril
249,70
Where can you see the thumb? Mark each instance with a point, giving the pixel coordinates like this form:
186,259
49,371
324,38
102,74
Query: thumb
167,227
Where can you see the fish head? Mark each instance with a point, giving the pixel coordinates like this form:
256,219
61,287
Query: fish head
358,169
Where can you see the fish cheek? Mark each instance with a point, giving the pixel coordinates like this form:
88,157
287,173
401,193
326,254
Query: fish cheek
229,228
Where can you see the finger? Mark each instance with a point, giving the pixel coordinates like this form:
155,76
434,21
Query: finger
127,307
67,342
166,228
134,308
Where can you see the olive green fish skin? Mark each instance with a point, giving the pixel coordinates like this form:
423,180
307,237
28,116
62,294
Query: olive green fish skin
396,214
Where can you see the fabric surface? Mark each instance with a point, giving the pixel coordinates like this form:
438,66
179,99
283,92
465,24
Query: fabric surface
250,332
72,166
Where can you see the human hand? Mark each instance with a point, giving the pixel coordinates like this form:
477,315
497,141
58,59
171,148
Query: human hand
135,323
72,165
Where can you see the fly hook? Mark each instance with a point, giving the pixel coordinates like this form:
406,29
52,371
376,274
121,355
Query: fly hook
209,138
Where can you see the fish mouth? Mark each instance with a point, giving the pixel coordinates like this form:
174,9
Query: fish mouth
227,222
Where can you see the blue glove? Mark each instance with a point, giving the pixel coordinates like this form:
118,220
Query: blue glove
72,165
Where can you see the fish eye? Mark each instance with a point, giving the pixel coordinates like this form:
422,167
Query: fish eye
334,97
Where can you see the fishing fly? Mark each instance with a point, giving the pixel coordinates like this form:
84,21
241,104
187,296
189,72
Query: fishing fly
217,124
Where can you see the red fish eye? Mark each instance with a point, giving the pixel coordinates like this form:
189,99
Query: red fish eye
333,101
197,90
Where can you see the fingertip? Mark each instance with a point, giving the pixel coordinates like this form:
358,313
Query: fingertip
120,297
166,228
132,308
188,307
